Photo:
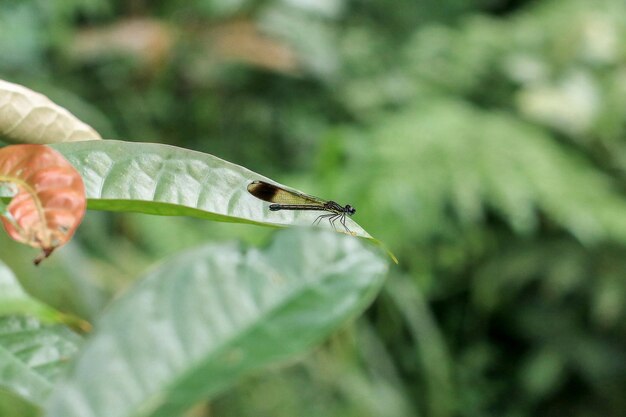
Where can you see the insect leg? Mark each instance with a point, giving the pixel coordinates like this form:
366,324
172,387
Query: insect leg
343,222
323,216
333,219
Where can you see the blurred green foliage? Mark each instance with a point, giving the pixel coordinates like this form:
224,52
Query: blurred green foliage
484,141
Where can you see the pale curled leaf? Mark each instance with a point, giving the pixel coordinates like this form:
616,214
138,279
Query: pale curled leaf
29,117
49,201
197,323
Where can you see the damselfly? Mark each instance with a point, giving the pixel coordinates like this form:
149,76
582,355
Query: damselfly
284,199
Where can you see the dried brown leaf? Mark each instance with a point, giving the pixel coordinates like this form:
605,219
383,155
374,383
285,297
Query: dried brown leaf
242,41
150,41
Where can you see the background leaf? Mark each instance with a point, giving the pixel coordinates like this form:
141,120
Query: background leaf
498,165
12,405
199,321
30,117
15,301
33,355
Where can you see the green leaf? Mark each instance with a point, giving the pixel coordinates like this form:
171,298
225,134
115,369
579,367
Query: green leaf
429,344
32,355
12,405
201,320
170,181
15,301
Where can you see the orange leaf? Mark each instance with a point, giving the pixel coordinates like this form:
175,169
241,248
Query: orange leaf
49,197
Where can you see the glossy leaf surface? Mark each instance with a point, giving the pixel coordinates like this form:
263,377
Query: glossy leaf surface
201,320
29,117
166,180
48,200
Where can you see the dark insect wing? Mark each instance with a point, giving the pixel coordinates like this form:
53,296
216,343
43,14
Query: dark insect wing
274,194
